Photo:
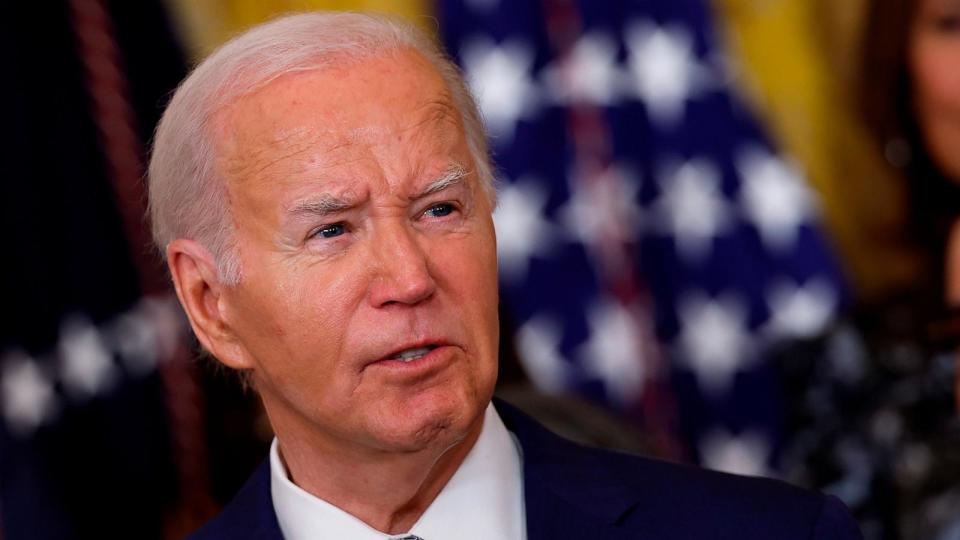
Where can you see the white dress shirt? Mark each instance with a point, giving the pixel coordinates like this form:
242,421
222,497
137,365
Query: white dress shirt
482,501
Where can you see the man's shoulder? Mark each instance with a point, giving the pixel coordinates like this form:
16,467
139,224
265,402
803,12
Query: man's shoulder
673,497
249,515
583,492
571,487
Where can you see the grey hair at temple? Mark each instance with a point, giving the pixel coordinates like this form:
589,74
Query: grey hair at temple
187,197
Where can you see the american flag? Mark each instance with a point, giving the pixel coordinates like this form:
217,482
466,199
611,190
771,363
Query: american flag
652,243
100,421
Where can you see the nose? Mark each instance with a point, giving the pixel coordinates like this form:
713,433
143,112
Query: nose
402,271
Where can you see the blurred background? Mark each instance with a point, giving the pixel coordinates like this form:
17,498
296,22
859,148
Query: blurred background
722,238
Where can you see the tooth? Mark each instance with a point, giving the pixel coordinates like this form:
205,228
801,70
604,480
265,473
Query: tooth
412,354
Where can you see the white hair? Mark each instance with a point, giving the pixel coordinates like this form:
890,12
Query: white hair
187,195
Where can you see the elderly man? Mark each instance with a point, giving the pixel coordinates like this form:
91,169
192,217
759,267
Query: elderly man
321,189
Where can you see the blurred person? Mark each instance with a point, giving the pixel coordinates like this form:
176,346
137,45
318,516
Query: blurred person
934,55
321,190
934,71
911,87
910,96
876,398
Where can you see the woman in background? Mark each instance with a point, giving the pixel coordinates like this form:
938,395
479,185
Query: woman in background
876,414
935,73
910,96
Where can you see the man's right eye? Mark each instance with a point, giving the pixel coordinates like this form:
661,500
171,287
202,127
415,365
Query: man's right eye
329,231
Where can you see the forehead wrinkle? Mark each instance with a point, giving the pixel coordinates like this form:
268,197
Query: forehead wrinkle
432,128
262,167
251,155
440,111
254,163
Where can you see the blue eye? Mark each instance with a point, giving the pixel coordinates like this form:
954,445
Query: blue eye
440,210
330,231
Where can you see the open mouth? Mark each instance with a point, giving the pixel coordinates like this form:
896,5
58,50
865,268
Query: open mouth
409,355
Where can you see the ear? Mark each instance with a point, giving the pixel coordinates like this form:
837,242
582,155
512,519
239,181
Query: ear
202,296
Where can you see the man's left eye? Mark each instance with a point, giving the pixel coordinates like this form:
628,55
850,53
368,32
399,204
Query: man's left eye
440,210
330,231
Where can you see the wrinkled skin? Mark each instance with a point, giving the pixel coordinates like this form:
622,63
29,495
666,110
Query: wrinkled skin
351,250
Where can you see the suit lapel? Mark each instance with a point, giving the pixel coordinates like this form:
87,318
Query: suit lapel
263,524
250,515
567,491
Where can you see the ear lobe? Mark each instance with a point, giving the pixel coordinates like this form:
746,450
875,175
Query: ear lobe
201,294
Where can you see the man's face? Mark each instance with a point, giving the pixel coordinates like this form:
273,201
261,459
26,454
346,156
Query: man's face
367,304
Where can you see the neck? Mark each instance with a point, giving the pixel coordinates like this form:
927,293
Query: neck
388,491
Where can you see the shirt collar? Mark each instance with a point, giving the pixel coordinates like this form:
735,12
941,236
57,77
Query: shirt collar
482,500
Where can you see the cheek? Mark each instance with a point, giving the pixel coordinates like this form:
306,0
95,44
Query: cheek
473,258
936,85
937,79
470,269
319,308
294,323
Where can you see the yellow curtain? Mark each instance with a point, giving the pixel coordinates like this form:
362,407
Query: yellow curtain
797,63
205,24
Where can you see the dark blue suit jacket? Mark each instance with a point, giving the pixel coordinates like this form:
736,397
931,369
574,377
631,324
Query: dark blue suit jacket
576,492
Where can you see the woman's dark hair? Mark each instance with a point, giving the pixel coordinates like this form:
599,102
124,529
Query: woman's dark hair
886,101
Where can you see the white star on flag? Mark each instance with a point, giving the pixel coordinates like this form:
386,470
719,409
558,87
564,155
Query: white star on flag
28,397
692,208
500,78
603,208
538,343
86,364
774,197
665,71
135,339
800,310
714,340
522,230
168,321
614,352
746,454
588,75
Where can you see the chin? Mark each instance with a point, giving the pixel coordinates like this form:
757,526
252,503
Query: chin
430,421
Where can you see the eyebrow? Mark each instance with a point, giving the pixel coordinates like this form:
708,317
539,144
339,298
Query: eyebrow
452,176
326,204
